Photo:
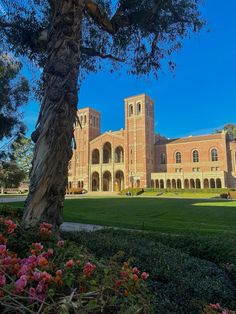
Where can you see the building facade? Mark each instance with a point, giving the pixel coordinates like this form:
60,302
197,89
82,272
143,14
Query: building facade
136,157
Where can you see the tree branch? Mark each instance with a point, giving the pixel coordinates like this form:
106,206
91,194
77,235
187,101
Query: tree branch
99,16
4,24
94,53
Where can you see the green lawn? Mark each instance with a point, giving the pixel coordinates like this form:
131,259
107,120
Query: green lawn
155,214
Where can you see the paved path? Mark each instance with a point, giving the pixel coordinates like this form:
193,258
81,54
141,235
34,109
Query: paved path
74,226
12,199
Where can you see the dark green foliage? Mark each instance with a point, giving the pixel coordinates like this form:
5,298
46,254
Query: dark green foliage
10,175
191,191
179,283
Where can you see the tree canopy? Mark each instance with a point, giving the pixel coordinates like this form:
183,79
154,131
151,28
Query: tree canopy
134,32
14,90
67,38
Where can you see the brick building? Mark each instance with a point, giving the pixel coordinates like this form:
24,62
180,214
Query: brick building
135,156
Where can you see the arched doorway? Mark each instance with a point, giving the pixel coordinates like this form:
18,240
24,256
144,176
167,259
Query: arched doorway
186,184
119,154
192,184
206,184
212,184
107,184
107,153
168,184
173,184
95,157
138,183
218,183
198,184
157,184
119,181
95,181
162,184
179,184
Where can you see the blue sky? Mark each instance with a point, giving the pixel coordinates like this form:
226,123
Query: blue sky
197,98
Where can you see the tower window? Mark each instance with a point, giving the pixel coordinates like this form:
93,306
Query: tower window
139,107
178,158
214,155
85,119
131,110
195,156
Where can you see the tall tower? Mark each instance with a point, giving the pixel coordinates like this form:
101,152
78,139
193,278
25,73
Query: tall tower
139,125
87,130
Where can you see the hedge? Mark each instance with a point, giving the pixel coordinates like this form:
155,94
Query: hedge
179,283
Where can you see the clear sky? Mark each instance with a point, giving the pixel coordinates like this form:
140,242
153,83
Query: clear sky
198,98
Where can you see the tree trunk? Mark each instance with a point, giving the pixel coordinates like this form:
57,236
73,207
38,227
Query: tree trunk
54,133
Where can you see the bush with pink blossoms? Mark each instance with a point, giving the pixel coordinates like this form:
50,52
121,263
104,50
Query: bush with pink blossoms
216,308
58,276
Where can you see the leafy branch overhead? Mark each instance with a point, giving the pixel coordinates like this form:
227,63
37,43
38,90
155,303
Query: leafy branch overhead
139,33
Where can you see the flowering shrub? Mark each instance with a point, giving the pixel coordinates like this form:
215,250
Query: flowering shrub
216,308
60,276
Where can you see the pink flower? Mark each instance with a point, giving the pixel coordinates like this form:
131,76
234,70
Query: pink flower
50,252
37,275
46,277
70,263
215,306
3,249
21,283
59,272
46,225
60,243
135,270
144,275
2,280
37,246
88,269
225,312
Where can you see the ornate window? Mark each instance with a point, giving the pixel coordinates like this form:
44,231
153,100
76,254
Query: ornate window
163,158
178,158
214,155
195,156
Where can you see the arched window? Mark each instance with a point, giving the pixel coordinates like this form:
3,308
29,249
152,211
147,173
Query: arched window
178,158
138,107
195,156
85,119
131,110
214,155
163,158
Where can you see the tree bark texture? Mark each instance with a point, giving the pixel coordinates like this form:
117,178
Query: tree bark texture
54,133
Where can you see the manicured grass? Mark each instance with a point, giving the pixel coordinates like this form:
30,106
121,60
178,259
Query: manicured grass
155,214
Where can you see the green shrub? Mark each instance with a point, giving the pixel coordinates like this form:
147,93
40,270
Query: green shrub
133,191
215,191
179,283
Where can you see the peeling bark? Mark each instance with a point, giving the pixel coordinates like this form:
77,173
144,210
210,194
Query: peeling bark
55,128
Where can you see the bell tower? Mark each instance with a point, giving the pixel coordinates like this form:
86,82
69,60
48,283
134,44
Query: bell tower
85,131
139,125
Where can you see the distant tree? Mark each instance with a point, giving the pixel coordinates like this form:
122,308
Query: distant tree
230,129
10,175
14,90
67,37
22,154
